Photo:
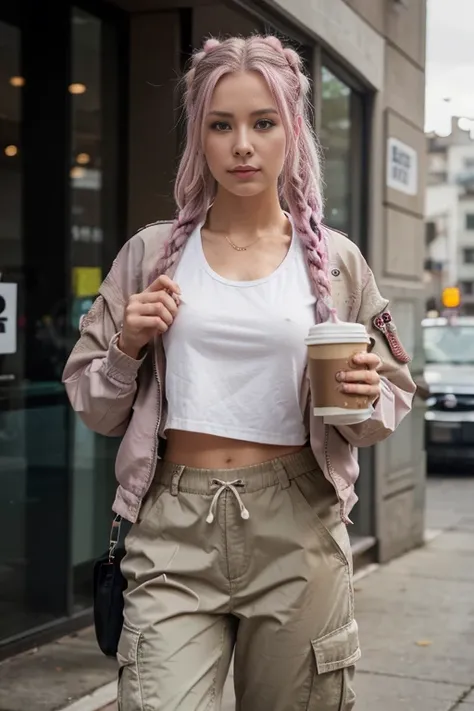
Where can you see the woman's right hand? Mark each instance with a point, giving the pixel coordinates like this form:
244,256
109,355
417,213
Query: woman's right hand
148,313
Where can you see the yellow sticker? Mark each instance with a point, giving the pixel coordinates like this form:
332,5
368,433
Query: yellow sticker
86,281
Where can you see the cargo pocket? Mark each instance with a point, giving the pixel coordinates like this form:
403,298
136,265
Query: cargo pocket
335,656
320,509
129,695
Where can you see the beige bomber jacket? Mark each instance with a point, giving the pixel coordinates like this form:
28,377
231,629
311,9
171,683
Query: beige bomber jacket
116,395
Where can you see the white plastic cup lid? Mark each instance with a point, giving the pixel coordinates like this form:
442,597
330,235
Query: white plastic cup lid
336,332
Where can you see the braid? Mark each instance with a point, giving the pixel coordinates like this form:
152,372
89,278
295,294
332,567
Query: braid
305,213
185,223
300,186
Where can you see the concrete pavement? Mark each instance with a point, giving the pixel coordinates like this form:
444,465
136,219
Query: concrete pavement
416,618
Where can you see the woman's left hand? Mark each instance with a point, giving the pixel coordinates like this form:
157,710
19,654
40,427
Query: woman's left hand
364,378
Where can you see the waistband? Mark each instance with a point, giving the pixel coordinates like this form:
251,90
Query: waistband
280,470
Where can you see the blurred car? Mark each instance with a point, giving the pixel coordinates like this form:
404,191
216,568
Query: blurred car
449,375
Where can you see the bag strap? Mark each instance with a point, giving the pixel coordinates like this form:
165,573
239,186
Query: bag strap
114,536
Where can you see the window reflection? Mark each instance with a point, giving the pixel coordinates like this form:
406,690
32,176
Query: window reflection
14,613
93,101
335,137
11,83
86,162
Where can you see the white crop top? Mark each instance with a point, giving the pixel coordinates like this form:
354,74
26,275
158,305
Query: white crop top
235,354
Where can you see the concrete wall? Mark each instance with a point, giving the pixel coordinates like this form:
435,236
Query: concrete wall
398,253
220,20
153,140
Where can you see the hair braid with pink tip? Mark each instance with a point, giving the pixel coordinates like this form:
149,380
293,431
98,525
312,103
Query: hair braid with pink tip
300,181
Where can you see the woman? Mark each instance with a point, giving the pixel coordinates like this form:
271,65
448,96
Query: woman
194,352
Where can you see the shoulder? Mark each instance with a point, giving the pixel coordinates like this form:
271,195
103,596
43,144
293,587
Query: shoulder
139,256
145,248
340,245
152,237
344,254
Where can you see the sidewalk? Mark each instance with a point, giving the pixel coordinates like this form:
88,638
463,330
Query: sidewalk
416,619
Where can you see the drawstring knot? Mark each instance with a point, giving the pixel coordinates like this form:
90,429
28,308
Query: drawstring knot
226,486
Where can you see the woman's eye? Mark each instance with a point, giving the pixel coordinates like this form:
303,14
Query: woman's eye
264,124
220,126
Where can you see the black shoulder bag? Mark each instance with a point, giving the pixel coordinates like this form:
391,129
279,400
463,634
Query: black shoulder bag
109,587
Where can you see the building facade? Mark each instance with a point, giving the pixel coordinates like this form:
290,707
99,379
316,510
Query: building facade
450,215
90,136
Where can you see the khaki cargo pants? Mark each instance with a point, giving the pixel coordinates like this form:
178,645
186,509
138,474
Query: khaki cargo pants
254,561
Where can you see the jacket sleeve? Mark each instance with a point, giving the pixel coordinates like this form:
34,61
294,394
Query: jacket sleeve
397,386
100,380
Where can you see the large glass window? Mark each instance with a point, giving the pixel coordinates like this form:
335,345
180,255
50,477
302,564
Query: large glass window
335,136
94,207
60,227
341,137
14,612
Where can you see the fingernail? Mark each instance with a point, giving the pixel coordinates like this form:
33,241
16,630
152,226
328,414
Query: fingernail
340,376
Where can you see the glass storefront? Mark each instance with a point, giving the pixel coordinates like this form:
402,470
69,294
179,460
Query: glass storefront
335,137
61,224
92,456
341,135
13,464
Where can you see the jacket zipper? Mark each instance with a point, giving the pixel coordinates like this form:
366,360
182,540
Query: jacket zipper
331,472
158,418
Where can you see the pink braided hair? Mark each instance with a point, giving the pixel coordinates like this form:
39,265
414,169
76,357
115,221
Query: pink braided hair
299,185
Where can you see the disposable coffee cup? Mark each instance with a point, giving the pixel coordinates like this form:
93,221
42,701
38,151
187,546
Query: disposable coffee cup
331,346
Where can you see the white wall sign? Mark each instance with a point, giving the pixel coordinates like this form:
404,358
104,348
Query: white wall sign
402,167
8,317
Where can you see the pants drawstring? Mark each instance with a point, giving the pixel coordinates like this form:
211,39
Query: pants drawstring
226,486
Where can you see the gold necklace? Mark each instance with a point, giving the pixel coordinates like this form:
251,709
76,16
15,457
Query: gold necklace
240,249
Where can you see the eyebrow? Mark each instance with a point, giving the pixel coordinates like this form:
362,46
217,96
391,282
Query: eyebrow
259,112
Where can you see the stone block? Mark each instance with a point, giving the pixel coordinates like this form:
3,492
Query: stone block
372,12
404,87
406,28
404,247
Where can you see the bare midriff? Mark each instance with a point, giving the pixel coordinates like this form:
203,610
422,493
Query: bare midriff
204,451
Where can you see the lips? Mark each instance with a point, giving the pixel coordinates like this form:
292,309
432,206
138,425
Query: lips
244,170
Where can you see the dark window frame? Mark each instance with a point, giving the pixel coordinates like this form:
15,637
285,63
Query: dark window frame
469,221
468,255
467,287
